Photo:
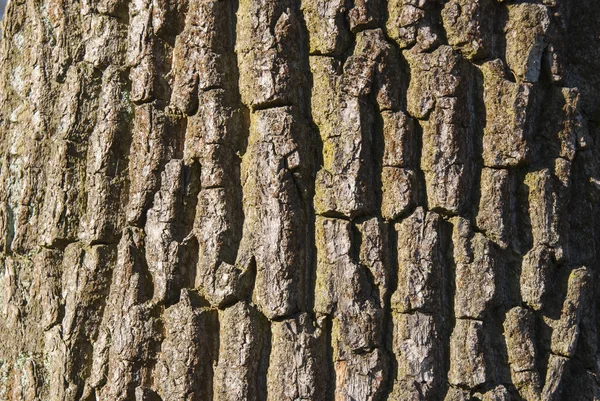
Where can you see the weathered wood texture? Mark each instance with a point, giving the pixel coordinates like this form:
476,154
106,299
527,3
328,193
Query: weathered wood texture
295,200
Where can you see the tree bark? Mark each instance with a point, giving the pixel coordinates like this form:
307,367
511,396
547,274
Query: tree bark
294,200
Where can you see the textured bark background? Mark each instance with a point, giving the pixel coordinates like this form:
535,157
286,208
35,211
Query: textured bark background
299,200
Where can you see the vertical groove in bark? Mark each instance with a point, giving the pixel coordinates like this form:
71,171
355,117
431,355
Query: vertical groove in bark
299,200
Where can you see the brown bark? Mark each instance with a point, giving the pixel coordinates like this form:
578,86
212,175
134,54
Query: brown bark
299,200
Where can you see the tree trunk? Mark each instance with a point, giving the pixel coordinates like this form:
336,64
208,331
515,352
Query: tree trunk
299,200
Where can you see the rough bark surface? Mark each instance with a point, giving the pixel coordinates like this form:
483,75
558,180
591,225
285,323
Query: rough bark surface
285,200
